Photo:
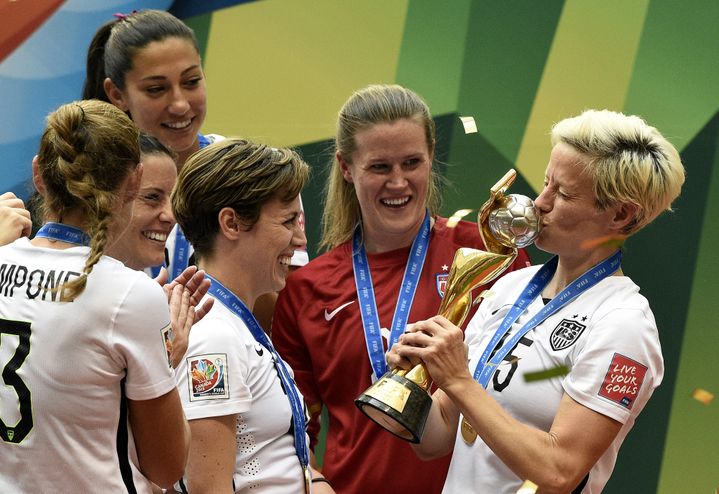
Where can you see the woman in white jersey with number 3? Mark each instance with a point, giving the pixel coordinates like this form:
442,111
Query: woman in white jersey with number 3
609,175
86,384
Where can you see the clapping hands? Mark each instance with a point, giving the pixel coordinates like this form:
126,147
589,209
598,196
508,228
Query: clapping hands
184,293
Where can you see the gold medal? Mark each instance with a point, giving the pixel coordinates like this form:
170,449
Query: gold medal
468,433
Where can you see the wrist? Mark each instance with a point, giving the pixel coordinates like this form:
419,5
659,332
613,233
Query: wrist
458,387
321,479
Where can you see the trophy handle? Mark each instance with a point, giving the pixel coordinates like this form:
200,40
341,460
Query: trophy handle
496,193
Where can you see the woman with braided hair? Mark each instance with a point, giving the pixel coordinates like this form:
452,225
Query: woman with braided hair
87,391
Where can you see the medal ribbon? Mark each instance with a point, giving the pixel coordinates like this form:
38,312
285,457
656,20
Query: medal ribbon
368,304
180,257
232,302
202,141
485,367
63,233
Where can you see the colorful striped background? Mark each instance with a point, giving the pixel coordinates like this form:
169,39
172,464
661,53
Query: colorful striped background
278,71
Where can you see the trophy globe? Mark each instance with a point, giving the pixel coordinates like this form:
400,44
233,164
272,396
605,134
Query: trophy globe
515,221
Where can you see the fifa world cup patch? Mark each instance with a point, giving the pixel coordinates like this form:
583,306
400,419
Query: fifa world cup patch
167,340
623,380
207,376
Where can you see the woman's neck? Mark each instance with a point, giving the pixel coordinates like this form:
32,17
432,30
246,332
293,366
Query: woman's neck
569,270
223,271
71,218
377,243
183,155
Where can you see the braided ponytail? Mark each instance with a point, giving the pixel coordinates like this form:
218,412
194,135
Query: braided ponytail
86,152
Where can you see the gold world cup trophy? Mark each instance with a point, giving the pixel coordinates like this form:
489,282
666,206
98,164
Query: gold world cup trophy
399,401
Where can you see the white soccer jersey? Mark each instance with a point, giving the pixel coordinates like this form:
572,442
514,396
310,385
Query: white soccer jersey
63,365
608,339
226,371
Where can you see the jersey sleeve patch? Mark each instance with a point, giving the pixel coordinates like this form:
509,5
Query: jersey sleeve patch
623,380
208,377
167,340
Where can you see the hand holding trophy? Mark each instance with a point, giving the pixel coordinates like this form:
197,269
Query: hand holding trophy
399,401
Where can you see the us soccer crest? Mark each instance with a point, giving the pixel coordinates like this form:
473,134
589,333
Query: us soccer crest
565,334
442,283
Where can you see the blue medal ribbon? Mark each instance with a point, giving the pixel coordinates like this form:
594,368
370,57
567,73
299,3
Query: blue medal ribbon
232,302
203,141
486,366
63,233
155,270
368,304
180,255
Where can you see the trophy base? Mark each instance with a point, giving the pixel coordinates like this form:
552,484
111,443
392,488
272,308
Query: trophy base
404,416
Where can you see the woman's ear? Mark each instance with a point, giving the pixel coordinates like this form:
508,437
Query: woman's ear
36,177
624,215
344,167
229,221
114,94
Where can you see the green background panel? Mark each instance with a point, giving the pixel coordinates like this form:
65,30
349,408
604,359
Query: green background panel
676,75
589,66
278,71
501,71
201,26
432,50
662,260
506,51
691,456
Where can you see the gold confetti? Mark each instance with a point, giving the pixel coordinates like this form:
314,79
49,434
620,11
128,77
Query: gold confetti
605,241
528,487
703,396
458,215
470,126
560,370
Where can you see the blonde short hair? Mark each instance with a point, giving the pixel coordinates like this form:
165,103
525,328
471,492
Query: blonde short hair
628,161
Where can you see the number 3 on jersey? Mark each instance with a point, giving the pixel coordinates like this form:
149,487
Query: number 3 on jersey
10,378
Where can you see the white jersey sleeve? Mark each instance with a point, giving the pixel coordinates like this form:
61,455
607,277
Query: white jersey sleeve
212,378
618,368
138,343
